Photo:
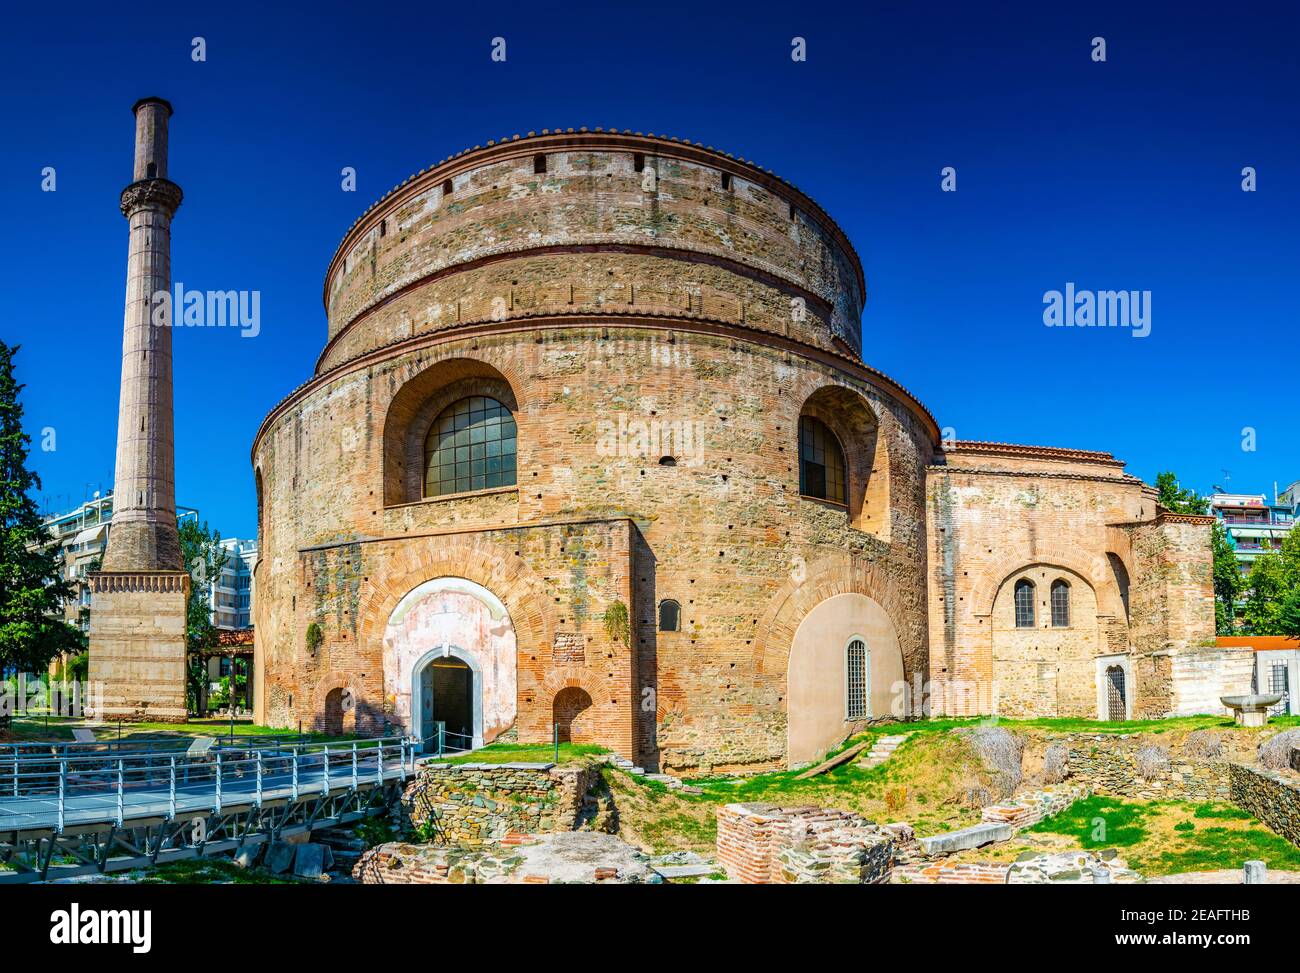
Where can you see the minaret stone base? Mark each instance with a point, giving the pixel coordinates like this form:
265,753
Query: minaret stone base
137,628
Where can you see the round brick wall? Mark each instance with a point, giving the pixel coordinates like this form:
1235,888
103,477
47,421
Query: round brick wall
656,341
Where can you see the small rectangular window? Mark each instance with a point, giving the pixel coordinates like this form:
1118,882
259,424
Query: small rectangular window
638,161
446,188
855,685
793,211
726,181
539,164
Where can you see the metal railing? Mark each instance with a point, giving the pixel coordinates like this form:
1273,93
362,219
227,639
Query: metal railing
138,745
123,785
443,742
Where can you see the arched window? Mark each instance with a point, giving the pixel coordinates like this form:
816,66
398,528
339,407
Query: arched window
821,461
1024,604
670,616
855,680
1060,603
470,446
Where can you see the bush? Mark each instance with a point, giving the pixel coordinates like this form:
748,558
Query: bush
895,799
1001,752
1056,764
1203,745
1275,752
1151,762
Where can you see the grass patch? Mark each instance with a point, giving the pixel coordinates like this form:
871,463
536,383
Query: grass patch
35,729
661,820
523,753
1099,822
211,871
1222,812
1169,837
924,783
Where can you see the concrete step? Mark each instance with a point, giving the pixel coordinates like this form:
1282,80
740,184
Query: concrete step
882,750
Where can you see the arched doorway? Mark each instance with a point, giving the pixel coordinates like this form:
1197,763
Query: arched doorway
448,697
444,634
568,710
1116,698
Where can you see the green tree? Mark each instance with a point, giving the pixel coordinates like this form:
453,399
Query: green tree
1229,582
1289,615
1274,596
203,555
1180,501
32,583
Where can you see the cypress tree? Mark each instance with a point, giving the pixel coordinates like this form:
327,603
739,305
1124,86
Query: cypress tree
32,584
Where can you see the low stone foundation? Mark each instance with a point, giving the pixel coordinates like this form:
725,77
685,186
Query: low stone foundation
1272,796
951,873
1029,809
761,844
1107,765
479,803
576,857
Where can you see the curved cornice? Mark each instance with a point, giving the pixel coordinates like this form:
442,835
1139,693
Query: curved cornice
737,267
591,140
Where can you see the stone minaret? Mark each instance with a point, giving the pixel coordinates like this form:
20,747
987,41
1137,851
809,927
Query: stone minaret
137,618
143,535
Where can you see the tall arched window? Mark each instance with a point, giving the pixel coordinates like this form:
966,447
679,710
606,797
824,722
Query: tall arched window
855,681
470,446
1060,603
670,616
821,461
1024,604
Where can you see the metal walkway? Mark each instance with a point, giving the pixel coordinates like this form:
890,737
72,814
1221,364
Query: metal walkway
67,811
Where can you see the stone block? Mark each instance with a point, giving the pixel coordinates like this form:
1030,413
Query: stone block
976,836
310,861
280,857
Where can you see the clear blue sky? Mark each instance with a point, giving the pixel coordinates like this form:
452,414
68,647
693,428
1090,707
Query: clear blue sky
1117,175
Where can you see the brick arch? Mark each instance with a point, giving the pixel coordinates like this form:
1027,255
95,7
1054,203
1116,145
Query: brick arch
423,388
326,684
476,559
1093,569
857,421
808,587
573,677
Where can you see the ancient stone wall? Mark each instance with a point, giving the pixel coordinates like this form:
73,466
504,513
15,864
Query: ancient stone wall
1137,577
998,514
1108,766
478,803
1272,796
724,532
137,633
598,192
760,844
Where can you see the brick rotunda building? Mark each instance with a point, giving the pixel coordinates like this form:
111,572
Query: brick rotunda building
591,448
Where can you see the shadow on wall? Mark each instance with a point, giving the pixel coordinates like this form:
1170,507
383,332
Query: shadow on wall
571,712
344,714
646,632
